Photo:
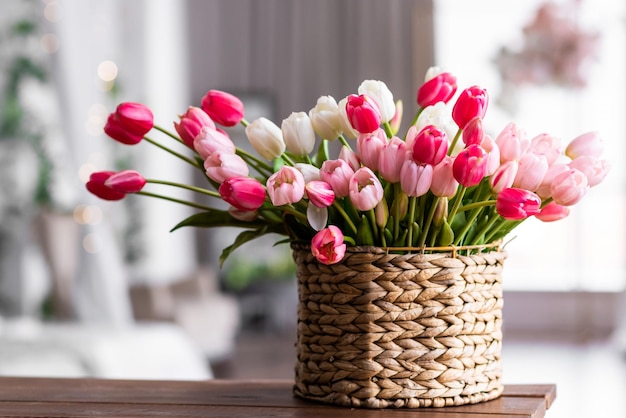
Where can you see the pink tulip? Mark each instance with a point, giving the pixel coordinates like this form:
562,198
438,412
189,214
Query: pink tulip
327,245
552,212
320,193
369,146
391,159
129,123
191,124
594,169
363,113
440,88
365,189
222,165
589,144
350,157
96,185
569,187
546,145
286,186
212,140
244,193
379,92
127,181
243,215
513,143
545,189
530,172
470,166
415,179
337,173
474,132
503,177
396,121
444,184
493,154
222,107
430,146
517,204
471,103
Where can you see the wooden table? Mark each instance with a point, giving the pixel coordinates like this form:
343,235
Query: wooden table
37,397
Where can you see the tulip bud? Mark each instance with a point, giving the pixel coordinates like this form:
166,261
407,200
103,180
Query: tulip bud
244,193
286,186
546,145
363,113
350,157
430,146
210,140
326,118
593,168
337,173
369,147
391,158
243,215
191,124
400,205
444,184
127,181
327,245
517,204
552,212
129,123
266,138
415,179
513,143
96,185
309,172
395,122
473,133
503,177
365,189
471,103
589,144
346,126
382,213
222,165
470,166
439,88
530,171
222,107
383,97
320,193
569,187
298,133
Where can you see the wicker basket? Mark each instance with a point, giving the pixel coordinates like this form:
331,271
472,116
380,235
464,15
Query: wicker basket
383,330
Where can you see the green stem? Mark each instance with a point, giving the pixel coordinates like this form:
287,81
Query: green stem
429,220
483,230
374,225
344,141
388,130
171,151
457,203
259,164
417,115
476,205
454,141
186,186
172,199
412,202
345,216
244,122
168,133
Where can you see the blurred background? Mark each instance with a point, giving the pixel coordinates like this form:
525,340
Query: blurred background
89,288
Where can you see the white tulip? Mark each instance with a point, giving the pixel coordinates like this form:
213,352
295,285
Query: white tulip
266,138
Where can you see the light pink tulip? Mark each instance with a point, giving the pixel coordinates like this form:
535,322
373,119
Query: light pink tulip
493,154
320,193
595,169
589,144
552,212
503,177
530,172
350,157
327,245
243,215
391,159
222,165
569,187
513,143
546,145
286,186
369,146
415,179
191,124
211,140
337,173
444,184
365,189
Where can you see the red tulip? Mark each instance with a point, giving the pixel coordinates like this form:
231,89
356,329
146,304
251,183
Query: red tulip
127,181
440,88
517,204
244,193
222,107
363,113
430,146
470,166
472,102
129,123
191,124
96,186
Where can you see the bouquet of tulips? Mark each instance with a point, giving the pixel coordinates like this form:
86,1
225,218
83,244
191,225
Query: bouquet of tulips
444,182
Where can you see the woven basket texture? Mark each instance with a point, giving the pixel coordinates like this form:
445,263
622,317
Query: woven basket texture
381,330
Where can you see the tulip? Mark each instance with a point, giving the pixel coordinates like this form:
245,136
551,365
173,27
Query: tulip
365,189
309,172
391,159
346,126
589,144
191,124
244,193
222,107
430,146
400,205
395,122
437,115
503,177
222,165
493,154
512,142
552,212
96,185
350,157
210,140
266,138
326,118
286,186
243,215
444,183
471,103
517,204
380,93
530,171
415,179
363,113
594,169
545,189
317,217
126,181
327,245
546,145
129,123
369,147
298,133
470,166
337,173
439,88
320,193
569,187
473,133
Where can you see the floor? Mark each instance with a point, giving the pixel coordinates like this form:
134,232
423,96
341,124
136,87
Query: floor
590,375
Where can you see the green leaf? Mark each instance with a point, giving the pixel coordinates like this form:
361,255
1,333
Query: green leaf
216,218
247,236
322,153
364,235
